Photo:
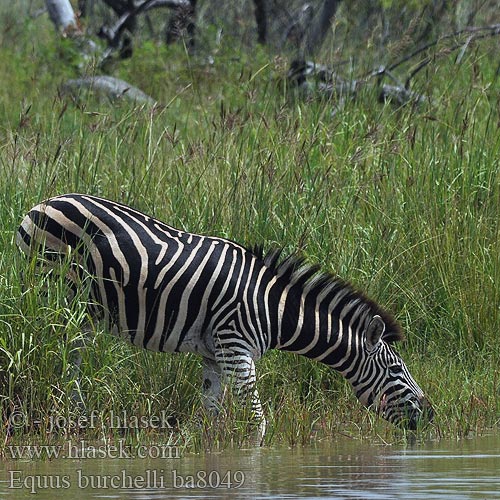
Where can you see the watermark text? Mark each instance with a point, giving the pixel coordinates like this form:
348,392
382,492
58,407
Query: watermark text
150,479
87,450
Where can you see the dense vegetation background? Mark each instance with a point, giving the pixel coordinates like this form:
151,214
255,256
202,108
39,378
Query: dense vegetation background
402,201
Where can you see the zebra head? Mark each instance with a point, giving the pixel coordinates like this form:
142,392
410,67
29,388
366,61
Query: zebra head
383,382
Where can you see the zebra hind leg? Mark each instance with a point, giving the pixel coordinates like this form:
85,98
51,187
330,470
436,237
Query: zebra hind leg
73,374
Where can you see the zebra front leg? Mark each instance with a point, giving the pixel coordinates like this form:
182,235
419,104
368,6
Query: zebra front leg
239,370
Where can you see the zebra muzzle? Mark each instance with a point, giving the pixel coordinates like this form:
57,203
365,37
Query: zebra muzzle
382,404
421,414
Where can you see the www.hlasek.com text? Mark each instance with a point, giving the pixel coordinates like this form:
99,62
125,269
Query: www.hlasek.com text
85,450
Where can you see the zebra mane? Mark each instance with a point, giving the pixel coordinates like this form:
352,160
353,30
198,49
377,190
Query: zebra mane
294,268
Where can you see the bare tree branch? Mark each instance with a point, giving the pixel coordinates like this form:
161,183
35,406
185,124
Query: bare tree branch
492,30
327,83
113,33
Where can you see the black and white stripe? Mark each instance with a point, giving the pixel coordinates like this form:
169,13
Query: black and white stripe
169,290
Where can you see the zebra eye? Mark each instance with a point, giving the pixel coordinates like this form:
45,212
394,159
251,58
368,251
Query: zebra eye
396,370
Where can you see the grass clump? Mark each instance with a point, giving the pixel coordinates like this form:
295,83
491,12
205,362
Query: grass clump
405,203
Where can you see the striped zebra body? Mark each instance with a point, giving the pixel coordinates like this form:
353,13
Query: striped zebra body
168,290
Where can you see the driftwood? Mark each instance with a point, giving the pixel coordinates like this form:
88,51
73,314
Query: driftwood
106,87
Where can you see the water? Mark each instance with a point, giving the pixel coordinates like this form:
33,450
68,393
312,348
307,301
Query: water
345,469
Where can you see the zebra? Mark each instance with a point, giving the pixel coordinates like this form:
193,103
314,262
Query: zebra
169,290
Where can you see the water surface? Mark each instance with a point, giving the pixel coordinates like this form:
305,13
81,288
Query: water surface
344,469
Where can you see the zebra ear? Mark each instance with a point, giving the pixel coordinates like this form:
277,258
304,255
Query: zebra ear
374,332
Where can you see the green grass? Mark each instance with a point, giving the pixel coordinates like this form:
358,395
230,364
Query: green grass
405,203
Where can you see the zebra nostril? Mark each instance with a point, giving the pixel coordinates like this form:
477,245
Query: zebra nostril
383,403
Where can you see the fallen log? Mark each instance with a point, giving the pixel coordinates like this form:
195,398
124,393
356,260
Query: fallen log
318,80
400,96
304,73
106,87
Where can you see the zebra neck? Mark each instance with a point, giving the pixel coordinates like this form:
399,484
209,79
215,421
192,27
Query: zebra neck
323,326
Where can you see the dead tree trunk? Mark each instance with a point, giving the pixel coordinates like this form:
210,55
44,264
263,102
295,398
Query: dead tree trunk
319,28
261,20
182,24
63,16
300,68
